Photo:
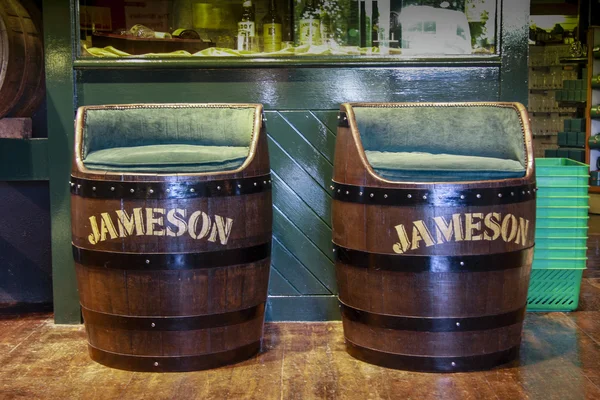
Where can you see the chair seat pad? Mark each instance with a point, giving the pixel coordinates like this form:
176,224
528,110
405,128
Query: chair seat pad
167,158
427,167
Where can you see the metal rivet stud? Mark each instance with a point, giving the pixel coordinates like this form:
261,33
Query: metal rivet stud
339,190
255,184
72,184
478,196
147,261
334,250
385,196
269,181
371,195
192,190
360,193
424,197
331,187
264,182
347,192
529,192
512,193
168,190
462,196
131,190
453,364
409,196
78,186
155,364
218,187
152,325
458,324
499,194
239,186
94,188
523,192
151,191
338,117
462,263
112,188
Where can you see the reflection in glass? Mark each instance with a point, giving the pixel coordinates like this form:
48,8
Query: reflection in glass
275,28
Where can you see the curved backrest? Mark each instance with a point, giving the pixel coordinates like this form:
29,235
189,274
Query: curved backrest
112,127
483,130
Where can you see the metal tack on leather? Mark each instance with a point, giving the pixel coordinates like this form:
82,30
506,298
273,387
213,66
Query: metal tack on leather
169,190
433,197
343,120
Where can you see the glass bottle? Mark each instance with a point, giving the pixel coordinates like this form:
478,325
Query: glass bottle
246,27
310,24
272,29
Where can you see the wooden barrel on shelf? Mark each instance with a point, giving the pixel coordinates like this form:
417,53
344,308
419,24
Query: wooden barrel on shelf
21,59
431,276
173,269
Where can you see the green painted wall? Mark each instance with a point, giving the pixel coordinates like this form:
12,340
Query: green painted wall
301,102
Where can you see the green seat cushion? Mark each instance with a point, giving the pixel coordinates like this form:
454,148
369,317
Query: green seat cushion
436,143
167,158
428,167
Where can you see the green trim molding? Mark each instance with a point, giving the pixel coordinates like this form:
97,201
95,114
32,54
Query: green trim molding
24,160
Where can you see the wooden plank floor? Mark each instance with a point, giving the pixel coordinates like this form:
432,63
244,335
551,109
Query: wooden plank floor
560,359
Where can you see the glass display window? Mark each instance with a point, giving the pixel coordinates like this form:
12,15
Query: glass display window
287,28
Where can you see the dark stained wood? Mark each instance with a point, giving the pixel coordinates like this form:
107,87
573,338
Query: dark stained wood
163,293
559,360
371,228
22,59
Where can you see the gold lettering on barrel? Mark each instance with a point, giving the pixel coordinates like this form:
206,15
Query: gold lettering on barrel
151,222
462,227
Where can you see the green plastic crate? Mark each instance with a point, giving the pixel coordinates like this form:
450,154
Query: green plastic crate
558,201
561,180
558,222
566,212
561,253
560,242
559,263
554,289
560,167
563,191
560,232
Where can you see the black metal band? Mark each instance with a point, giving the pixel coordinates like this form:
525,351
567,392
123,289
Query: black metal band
343,120
171,261
438,196
100,189
432,364
414,263
173,364
421,324
188,323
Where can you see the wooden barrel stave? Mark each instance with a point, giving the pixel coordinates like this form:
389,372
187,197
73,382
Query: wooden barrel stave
176,299
22,88
402,290
477,282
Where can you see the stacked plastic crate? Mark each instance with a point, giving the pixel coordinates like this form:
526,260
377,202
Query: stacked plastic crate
560,235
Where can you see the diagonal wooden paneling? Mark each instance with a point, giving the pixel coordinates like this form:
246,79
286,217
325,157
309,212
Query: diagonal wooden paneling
301,147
